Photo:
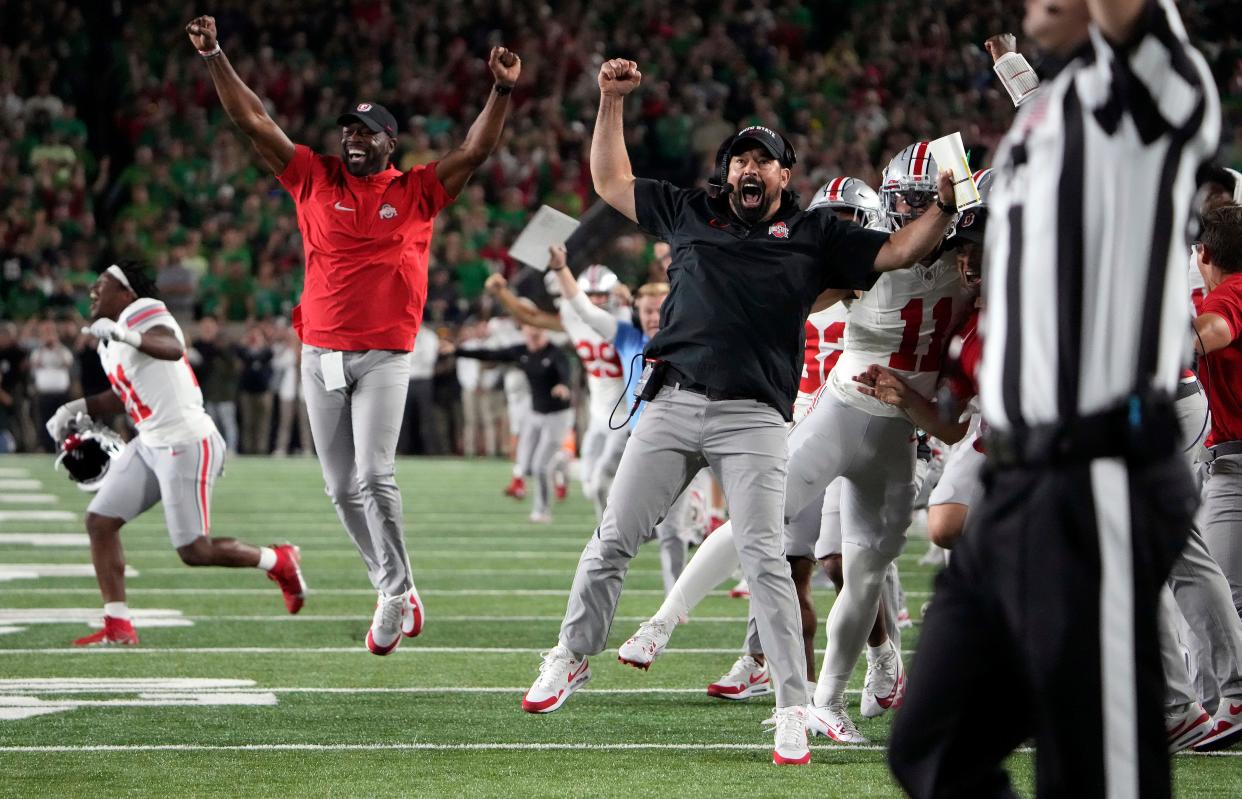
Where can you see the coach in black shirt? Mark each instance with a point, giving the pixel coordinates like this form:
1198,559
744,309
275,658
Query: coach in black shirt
747,267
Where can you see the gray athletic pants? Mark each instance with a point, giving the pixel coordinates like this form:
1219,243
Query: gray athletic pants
542,437
1220,518
681,432
356,430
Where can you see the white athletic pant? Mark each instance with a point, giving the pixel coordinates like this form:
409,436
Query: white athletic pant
542,437
599,457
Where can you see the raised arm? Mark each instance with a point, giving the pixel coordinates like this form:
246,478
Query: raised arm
918,238
455,168
240,103
597,319
160,342
525,314
610,163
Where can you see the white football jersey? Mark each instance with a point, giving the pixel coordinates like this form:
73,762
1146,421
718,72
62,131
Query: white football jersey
162,398
599,361
903,323
825,339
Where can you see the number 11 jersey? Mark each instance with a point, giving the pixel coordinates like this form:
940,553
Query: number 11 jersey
162,398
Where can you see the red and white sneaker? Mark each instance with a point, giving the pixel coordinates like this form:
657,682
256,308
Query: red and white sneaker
904,622
412,614
562,492
884,687
560,675
641,650
790,728
516,488
1226,726
834,722
747,678
741,590
115,632
386,624
287,573
1188,727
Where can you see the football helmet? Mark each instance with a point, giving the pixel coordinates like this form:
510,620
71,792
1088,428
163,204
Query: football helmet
972,222
87,452
849,194
911,176
597,279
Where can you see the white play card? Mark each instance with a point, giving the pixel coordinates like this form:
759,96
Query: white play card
951,154
547,227
333,366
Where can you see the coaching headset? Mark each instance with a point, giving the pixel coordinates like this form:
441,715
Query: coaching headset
775,143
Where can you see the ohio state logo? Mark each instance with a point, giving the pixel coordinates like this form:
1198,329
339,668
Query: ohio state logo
387,211
779,230
363,107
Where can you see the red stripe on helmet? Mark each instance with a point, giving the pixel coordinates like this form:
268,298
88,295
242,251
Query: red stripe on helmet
834,189
917,162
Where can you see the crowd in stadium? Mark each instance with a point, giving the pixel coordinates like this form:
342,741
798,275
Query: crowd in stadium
113,146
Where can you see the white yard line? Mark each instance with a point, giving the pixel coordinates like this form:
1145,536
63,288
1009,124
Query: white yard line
413,649
47,539
38,516
10,484
27,499
14,472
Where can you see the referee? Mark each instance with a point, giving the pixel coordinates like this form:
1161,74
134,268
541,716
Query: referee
747,265
1044,623
366,229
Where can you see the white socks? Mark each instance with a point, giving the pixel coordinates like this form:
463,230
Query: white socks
117,610
713,562
267,558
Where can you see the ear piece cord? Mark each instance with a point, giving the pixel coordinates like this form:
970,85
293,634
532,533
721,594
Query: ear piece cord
1207,413
621,396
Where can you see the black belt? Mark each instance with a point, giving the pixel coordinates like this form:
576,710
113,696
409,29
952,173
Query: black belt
1140,431
685,382
1227,448
1188,388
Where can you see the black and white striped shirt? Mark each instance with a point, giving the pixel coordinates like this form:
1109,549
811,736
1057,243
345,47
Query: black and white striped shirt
1086,280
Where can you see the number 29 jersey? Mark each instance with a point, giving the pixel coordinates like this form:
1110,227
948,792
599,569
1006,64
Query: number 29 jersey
599,361
902,323
162,398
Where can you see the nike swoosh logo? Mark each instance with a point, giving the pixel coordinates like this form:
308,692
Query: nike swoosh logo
340,207
759,678
1234,709
574,674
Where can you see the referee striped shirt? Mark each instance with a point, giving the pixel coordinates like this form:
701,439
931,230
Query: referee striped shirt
1088,228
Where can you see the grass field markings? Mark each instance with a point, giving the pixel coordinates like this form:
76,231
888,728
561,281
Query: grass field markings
18,699
11,484
741,619
47,539
10,471
38,571
38,516
336,650
28,499
106,685
146,618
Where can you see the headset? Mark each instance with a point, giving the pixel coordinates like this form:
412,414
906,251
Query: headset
718,187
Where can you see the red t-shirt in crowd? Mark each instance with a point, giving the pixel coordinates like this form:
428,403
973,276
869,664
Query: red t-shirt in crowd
1221,371
366,242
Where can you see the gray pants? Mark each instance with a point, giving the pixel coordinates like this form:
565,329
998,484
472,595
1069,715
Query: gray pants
355,430
681,432
224,414
542,436
1220,518
600,454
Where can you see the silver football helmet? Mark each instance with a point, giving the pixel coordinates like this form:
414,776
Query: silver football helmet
597,279
910,176
87,452
849,194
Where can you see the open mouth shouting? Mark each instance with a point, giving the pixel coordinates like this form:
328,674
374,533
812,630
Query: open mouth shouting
355,155
750,193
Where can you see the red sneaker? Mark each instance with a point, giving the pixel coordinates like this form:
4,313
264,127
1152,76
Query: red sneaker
287,573
562,492
115,632
516,489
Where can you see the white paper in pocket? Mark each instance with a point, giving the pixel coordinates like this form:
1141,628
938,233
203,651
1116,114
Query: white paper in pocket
333,366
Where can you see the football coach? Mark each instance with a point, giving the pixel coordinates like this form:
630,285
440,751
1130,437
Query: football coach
747,266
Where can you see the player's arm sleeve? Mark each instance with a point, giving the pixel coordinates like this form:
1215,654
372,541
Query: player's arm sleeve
504,355
427,194
298,173
597,319
150,315
658,205
849,254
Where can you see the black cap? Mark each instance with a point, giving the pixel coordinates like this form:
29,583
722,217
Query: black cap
769,140
373,115
971,224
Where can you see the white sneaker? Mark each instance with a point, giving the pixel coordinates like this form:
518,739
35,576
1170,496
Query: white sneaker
833,722
747,678
413,614
385,632
904,622
560,675
645,645
1226,726
884,687
934,556
741,590
1187,727
540,518
790,728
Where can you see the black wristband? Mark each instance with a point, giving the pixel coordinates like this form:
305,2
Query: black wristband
948,209
502,88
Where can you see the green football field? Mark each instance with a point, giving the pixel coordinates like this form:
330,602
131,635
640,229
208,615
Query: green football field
230,696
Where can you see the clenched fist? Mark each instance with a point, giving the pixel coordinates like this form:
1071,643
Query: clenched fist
202,31
505,65
619,77
1000,44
